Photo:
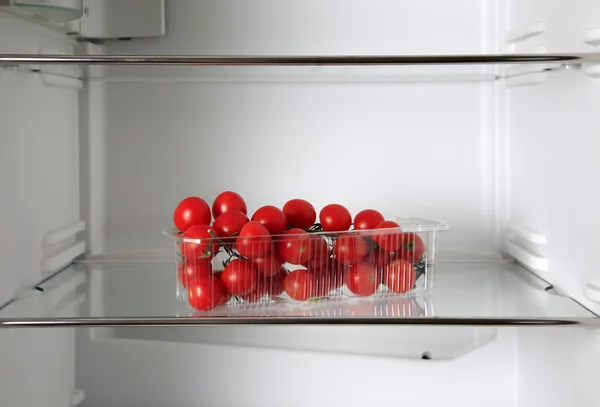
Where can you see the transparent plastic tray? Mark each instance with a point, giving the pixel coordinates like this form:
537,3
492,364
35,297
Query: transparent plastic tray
279,270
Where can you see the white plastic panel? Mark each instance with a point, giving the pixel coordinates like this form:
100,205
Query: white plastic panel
183,374
566,22
39,159
553,143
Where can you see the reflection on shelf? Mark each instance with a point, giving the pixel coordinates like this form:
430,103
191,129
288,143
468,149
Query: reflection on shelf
478,291
293,74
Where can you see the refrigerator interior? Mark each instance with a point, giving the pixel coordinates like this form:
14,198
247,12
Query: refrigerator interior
94,159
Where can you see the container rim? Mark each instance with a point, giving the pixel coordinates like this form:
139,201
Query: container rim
407,224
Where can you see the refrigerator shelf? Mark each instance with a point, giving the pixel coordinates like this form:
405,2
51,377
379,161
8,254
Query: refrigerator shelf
137,294
304,60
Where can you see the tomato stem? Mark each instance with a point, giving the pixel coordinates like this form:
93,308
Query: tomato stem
317,227
420,266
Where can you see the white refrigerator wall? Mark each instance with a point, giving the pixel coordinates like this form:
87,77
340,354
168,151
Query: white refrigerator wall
409,149
39,159
554,146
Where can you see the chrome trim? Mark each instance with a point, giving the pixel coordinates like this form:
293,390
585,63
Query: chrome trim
296,60
237,321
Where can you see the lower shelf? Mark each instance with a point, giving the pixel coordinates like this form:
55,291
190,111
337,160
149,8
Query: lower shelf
142,294
132,305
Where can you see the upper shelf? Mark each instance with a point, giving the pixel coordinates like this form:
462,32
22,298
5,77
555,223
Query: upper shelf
143,294
352,60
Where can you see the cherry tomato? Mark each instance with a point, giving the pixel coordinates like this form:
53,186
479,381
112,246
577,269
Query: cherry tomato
269,287
328,277
259,292
335,218
350,249
199,242
190,270
294,246
230,223
413,247
388,240
299,214
268,265
362,279
191,211
332,266
272,218
228,201
400,276
206,293
299,285
276,288
318,251
253,241
240,277
367,219
380,259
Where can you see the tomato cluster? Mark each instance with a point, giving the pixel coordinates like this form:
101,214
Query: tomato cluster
279,251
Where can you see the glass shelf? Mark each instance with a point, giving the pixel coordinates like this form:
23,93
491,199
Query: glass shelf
143,294
306,60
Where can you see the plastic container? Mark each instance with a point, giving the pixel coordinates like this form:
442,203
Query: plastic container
59,11
304,267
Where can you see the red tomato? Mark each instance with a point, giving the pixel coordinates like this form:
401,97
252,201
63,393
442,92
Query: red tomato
400,276
335,218
388,240
200,242
294,246
413,247
379,258
191,211
190,270
229,223
318,251
259,292
272,218
350,249
362,279
299,285
328,277
270,287
240,277
299,214
332,266
228,201
276,287
367,219
206,293
268,265
253,241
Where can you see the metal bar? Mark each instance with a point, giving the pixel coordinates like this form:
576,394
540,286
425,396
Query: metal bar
16,59
265,321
